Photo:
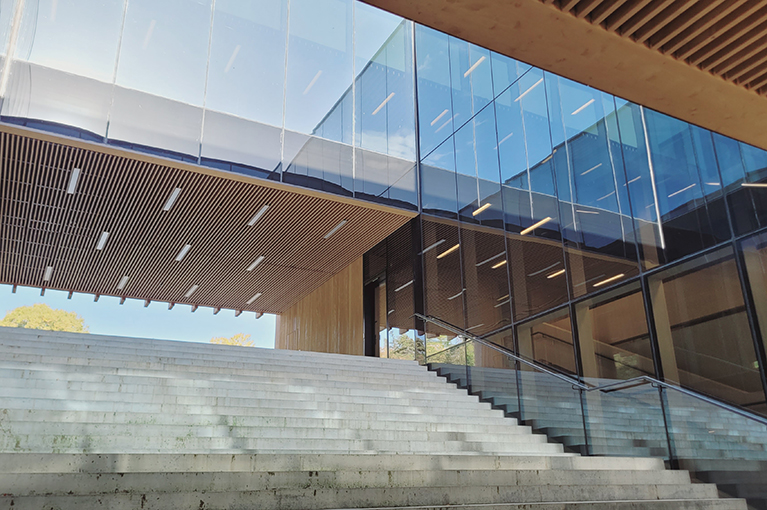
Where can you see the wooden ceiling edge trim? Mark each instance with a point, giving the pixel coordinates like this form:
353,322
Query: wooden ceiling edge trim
101,148
634,71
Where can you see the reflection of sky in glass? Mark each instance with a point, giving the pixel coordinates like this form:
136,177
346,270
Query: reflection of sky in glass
6,14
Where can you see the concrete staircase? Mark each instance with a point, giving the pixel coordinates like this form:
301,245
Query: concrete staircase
715,445
104,422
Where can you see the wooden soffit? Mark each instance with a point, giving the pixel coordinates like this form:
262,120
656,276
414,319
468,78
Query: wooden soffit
702,61
124,194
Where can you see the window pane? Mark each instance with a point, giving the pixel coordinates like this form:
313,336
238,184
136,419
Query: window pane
537,272
438,193
470,79
755,255
549,340
444,292
246,77
506,71
435,110
65,63
161,76
613,335
703,332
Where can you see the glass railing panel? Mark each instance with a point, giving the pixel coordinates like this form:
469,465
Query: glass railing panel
447,356
625,423
719,446
493,377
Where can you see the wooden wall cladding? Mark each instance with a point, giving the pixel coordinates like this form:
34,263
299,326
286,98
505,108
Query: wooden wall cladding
124,194
330,319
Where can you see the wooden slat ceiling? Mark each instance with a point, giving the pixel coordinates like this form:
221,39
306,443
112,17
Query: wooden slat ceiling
43,225
727,38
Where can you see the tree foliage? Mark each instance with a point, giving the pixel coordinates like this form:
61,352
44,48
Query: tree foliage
240,339
42,316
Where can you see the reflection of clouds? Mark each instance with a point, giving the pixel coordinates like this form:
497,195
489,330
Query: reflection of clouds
399,145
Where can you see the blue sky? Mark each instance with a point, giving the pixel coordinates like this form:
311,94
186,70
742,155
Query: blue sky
108,317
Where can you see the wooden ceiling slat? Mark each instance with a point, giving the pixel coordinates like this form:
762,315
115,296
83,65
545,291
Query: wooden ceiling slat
748,31
605,9
623,14
661,14
567,5
702,28
696,11
709,41
585,7
758,82
124,196
739,51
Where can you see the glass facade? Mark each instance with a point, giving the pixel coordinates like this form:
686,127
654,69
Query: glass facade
589,233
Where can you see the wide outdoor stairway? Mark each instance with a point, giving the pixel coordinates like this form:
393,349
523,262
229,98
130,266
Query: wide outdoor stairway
714,444
120,423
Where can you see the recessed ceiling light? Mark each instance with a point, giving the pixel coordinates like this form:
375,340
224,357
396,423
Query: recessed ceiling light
523,94
586,105
171,199
554,275
183,252
536,225
48,274
448,251
754,185
311,83
484,207
335,229
102,240
380,106
472,68
249,301
444,112
591,169
254,264
499,264
123,282
258,215
611,279
73,180
682,190
404,286
191,291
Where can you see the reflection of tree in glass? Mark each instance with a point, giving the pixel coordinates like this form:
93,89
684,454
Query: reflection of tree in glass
42,316
240,339
444,349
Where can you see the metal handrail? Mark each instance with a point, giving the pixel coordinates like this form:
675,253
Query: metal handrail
605,388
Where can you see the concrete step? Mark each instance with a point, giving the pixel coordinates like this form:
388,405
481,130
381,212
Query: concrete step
399,422
366,497
252,463
37,484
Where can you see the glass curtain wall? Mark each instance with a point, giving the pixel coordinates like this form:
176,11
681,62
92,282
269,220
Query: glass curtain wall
319,93
548,206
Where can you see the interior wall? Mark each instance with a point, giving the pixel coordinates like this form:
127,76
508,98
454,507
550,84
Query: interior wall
330,319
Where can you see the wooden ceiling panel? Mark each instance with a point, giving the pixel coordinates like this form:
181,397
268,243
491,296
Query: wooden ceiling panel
123,194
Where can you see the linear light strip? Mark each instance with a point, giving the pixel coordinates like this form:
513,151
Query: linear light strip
250,301
171,199
102,240
433,246
611,279
191,291
258,215
380,106
311,83
255,263
404,286
536,225
591,169
579,110
231,59
48,274
504,139
523,94
472,68
183,252
73,180
555,264
499,264
754,185
448,251
335,229
436,119
490,259
456,296
123,282
483,208
554,275
502,303
682,190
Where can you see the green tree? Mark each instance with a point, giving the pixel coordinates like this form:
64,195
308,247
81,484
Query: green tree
241,339
42,316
